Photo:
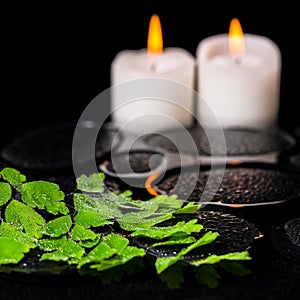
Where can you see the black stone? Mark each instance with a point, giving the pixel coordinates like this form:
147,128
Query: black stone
139,162
239,141
43,148
254,142
50,148
292,228
239,186
235,234
285,238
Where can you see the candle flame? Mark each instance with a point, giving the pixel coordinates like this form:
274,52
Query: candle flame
155,41
236,38
148,184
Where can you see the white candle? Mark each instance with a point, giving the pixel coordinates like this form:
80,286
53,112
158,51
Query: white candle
145,105
241,89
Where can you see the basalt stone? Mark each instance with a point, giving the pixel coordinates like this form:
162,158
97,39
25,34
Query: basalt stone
239,141
173,143
235,234
292,229
50,147
286,239
43,148
239,186
137,162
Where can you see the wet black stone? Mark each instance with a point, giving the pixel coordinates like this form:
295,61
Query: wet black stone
285,240
50,147
238,186
158,140
239,141
250,141
139,162
235,234
43,148
292,228
177,141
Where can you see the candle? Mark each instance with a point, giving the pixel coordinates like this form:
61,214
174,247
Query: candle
152,89
238,80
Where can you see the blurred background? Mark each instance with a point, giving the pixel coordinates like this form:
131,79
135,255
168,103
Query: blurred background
57,56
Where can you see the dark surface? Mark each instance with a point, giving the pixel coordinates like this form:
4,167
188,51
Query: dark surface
239,141
57,58
275,265
236,235
241,185
292,229
48,149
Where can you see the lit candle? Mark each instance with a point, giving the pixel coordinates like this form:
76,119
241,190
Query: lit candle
142,99
238,79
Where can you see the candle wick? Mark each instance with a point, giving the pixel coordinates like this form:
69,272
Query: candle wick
238,60
153,67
